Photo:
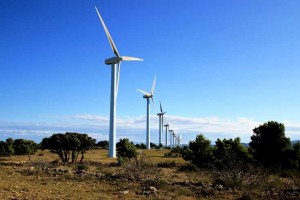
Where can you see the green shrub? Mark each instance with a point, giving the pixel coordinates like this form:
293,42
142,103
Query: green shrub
82,166
168,154
167,164
122,161
189,167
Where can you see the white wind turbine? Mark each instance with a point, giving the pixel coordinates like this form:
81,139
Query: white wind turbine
161,123
147,95
167,130
174,141
115,63
171,138
179,140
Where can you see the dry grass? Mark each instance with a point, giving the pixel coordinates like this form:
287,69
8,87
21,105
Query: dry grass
18,182
97,155
15,185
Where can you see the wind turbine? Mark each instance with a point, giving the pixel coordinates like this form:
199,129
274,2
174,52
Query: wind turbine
115,63
179,140
171,138
167,127
161,122
147,95
174,141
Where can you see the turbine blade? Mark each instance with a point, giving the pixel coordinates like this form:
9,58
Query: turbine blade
153,85
153,104
118,77
128,58
145,93
111,42
161,110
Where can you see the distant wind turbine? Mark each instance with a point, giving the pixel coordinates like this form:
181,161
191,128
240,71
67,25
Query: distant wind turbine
115,63
177,139
161,123
167,127
148,96
174,141
171,138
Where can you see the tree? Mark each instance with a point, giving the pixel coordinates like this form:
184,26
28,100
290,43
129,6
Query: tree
56,144
126,149
24,147
153,146
199,152
229,154
9,147
140,146
69,145
86,143
103,144
232,147
269,146
143,146
2,148
296,154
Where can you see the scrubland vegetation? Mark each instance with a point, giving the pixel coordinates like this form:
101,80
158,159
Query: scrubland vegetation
268,169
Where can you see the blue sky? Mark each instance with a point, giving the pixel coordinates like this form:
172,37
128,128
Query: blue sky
222,67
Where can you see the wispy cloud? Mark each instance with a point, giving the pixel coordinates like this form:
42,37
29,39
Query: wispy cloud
134,127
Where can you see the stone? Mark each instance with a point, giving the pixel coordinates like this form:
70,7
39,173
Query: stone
31,169
124,192
219,187
153,189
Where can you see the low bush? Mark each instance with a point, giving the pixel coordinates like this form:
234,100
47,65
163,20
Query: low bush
82,166
189,167
167,164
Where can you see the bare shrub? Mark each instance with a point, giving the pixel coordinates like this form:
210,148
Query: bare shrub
144,172
236,173
167,164
141,169
296,180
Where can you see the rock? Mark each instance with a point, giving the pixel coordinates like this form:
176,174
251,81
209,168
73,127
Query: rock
124,192
153,189
219,187
46,169
31,169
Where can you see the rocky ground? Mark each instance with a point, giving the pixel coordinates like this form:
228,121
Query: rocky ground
95,180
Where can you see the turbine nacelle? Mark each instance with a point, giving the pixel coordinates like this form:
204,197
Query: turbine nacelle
115,60
147,96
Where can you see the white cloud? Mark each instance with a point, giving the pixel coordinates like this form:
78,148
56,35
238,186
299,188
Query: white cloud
134,127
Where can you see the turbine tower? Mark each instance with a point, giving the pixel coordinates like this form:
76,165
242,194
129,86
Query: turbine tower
179,140
167,127
147,96
174,141
161,123
171,138
115,63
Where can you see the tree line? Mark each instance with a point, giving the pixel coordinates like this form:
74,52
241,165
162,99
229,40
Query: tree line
269,147
18,147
